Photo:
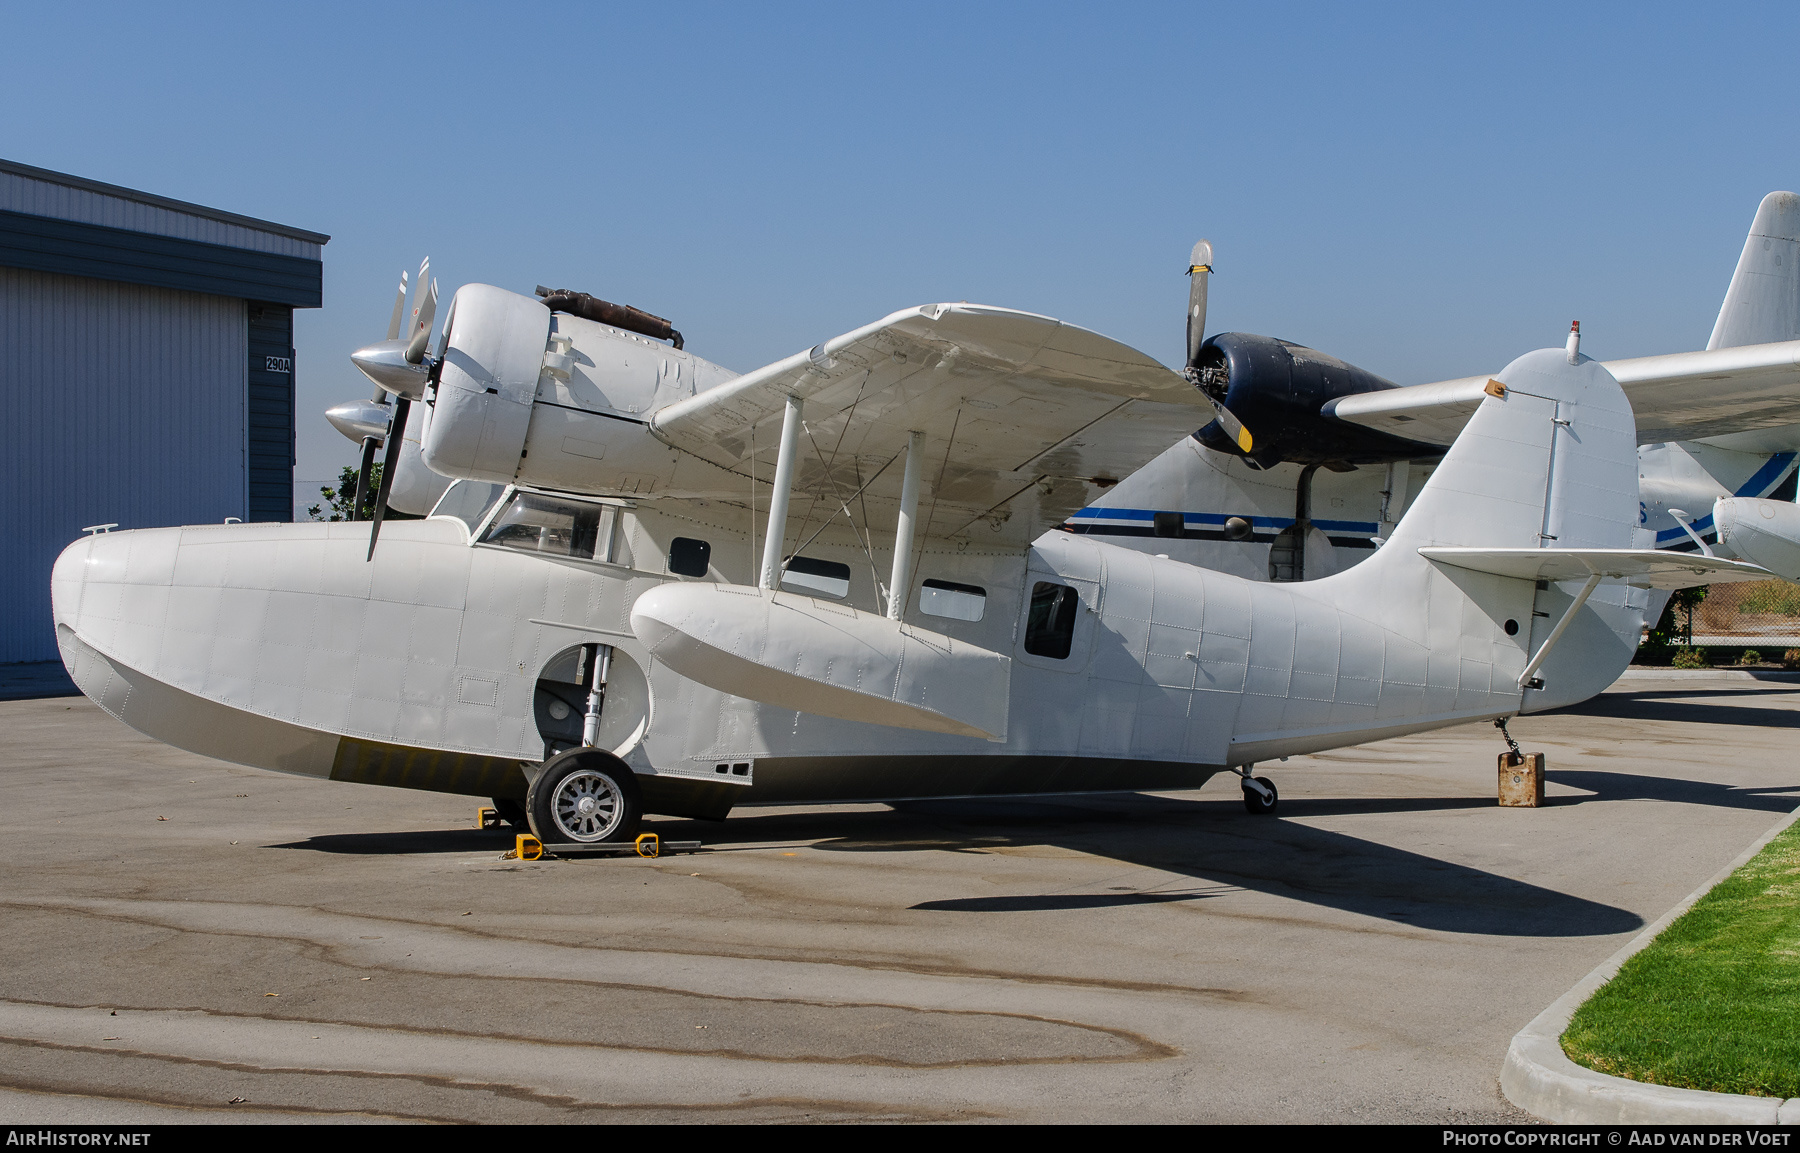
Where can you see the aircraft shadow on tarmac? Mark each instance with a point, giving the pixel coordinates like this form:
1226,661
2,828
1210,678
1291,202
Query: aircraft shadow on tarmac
400,844
1214,842
1682,706
1608,786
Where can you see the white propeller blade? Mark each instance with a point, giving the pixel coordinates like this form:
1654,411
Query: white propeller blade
424,315
399,309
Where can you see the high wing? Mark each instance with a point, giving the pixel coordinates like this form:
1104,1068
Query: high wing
1677,396
1025,418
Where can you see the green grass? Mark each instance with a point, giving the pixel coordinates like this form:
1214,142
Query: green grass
1777,597
1714,1002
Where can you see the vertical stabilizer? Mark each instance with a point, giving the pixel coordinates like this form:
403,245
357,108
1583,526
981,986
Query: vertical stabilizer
1763,303
1548,461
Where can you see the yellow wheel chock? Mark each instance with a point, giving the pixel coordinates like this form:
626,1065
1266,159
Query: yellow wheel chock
648,845
528,848
487,818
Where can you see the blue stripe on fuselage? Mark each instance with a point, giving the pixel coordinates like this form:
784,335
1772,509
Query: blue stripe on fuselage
1219,518
1766,478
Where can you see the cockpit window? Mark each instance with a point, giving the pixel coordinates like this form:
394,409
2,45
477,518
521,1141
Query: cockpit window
554,526
467,501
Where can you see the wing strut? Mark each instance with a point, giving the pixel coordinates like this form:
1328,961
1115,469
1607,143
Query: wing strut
903,532
779,491
1526,679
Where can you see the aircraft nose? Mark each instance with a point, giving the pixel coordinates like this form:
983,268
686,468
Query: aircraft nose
106,582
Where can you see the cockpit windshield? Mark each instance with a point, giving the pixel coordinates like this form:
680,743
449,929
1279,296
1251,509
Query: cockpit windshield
534,522
467,501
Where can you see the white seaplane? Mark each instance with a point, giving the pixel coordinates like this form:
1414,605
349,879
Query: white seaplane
880,568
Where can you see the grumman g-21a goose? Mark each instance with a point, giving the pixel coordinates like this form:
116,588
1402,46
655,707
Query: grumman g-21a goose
657,587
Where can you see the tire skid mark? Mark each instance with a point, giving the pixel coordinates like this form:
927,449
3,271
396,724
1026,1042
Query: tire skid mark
514,1092
539,1073
748,976
1147,1050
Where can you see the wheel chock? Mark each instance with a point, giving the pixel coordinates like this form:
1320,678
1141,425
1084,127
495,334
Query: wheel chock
648,845
486,818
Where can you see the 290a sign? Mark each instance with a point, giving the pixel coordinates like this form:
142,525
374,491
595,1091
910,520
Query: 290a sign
278,364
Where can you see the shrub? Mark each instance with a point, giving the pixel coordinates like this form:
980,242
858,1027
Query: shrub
1791,659
1750,657
1778,598
1690,659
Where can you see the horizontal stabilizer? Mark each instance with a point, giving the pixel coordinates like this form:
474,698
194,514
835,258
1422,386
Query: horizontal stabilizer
1648,568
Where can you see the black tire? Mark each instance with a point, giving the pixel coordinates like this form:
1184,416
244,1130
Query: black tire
512,812
1255,802
584,796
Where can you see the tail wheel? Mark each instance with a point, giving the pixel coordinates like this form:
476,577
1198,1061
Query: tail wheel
1256,802
584,796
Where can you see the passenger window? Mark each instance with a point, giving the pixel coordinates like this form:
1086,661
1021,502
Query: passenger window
552,526
958,602
817,576
689,557
467,501
1050,627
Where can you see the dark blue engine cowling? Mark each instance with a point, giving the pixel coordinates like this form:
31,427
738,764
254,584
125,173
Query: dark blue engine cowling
1276,388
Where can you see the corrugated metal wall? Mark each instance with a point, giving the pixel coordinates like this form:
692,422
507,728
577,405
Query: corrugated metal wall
117,403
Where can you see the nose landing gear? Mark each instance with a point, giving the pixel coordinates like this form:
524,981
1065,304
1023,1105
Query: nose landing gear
1260,796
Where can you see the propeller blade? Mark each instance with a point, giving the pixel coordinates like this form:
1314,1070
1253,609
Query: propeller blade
399,309
362,477
425,317
1234,428
1199,268
396,436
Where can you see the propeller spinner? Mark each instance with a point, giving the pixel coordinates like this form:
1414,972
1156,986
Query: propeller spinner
399,366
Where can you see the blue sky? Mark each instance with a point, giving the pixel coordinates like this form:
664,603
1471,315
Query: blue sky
1424,190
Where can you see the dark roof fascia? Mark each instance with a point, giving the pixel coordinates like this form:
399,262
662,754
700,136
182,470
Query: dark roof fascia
96,251
156,201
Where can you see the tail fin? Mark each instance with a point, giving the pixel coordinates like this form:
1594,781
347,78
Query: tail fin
1547,464
1549,460
1763,303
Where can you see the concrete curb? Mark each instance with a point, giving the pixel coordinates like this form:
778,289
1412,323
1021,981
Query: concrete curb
1540,1079
1708,675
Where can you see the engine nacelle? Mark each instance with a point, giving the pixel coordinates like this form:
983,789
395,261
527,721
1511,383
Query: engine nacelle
1764,532
556,401
416,487
1276,388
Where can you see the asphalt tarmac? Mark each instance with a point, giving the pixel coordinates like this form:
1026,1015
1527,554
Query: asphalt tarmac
185,940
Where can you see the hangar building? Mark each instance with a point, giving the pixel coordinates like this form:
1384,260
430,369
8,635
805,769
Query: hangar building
146,372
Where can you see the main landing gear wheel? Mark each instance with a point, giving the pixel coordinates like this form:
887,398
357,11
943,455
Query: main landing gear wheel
512,812
1255,801
584,796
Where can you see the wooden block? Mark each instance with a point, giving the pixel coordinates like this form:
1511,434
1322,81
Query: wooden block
1522,779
